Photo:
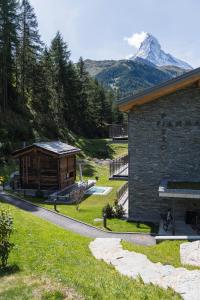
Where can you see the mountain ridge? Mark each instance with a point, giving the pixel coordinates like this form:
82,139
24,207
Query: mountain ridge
148,67
127,76
150,50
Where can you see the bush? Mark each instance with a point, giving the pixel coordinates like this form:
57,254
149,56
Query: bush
6,229
108,210
119,211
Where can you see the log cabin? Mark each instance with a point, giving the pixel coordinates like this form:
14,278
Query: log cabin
47,166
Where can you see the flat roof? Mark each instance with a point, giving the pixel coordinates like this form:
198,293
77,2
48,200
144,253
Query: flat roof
162,89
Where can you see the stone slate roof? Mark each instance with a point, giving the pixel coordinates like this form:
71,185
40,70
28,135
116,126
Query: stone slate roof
55,147
153,93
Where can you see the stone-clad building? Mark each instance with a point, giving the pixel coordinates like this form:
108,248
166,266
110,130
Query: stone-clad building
164,147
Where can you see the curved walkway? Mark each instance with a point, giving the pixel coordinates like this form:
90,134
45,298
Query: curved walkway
74,225
133,264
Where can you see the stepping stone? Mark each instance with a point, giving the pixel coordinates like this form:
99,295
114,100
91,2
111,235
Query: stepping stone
190,253
133,264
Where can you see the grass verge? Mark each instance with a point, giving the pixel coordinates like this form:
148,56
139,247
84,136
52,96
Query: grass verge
167,252
91,208
51,263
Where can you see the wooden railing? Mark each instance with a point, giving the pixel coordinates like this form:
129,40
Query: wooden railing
121,191
118,165
118,131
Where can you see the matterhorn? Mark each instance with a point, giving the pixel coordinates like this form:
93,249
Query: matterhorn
150,50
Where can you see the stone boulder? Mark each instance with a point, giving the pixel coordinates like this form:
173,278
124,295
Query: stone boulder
190,253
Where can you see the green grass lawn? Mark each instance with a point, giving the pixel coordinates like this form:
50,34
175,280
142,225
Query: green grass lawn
100,148
167,252
91,207
51,263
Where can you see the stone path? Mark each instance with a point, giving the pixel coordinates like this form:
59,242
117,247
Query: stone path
75,225
132,264
190,253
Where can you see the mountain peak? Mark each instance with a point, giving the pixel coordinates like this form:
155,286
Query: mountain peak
150,50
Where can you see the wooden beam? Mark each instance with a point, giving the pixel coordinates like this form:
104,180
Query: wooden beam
157,93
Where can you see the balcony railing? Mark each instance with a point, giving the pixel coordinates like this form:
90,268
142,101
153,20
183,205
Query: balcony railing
122,191
119,168
118,131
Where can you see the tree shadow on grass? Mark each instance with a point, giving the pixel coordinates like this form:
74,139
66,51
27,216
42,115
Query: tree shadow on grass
107,228
145,225
9,270
88,170
96,148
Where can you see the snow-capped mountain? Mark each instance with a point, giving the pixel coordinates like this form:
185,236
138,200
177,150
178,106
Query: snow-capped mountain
150,50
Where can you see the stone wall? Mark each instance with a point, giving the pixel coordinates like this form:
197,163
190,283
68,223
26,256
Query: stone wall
164,141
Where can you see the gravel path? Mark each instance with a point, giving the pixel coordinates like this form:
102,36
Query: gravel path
133,264
74,225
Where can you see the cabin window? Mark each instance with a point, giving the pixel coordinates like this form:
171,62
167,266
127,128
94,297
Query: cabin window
71,174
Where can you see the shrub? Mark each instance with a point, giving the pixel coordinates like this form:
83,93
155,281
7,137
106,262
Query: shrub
119,211
6,229
108,210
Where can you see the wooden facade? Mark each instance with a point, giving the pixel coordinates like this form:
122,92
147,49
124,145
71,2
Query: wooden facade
44,169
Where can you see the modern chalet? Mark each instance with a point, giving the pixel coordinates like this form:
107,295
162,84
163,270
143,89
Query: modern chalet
47,166
164,149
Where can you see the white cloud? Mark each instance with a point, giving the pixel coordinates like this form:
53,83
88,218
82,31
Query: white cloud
129,56
136,39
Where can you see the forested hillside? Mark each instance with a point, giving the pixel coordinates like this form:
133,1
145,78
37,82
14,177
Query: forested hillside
43,95
130,76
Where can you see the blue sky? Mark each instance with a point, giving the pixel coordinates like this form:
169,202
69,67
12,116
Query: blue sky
98,29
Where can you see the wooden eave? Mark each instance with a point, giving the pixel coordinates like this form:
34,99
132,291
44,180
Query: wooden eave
27,150
161,90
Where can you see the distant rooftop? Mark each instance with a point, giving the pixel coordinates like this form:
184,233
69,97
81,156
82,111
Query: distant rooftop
56,147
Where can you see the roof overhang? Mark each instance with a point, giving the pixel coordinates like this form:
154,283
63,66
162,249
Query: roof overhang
28,149
163,89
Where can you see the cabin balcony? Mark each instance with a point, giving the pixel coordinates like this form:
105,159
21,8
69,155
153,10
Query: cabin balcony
119,132
119,168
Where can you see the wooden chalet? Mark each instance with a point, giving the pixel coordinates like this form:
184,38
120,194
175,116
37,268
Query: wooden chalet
47,166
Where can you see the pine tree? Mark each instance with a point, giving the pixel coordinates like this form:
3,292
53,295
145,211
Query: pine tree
8,45
29,49
83,96
64,78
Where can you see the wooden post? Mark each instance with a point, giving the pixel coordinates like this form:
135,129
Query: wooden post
104,220
38,171
173,216
58,175
80,172
55,203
